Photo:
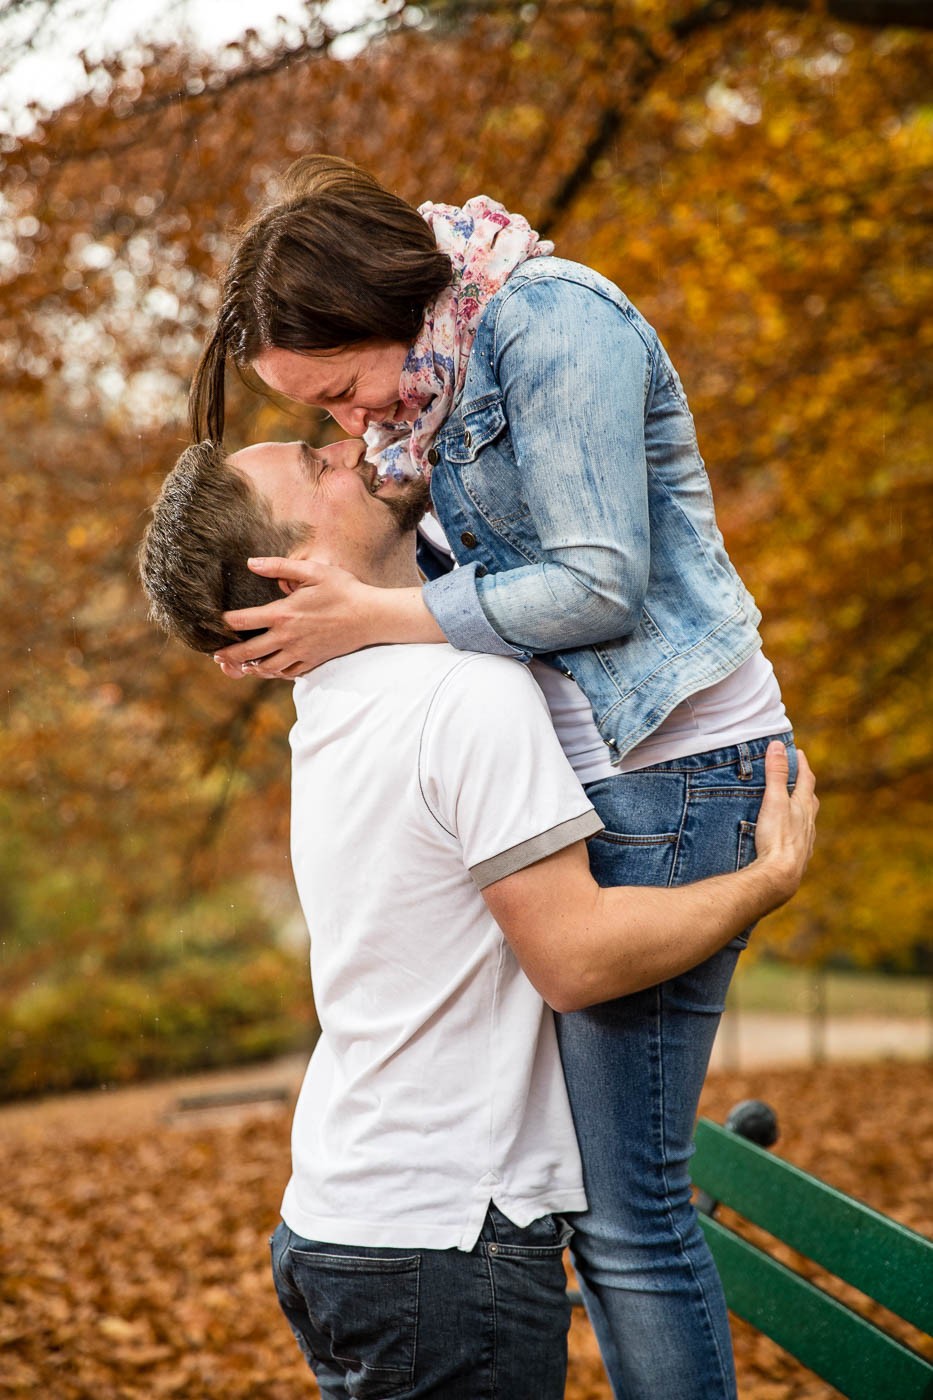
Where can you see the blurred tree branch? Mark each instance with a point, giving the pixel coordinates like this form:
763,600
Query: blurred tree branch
752,177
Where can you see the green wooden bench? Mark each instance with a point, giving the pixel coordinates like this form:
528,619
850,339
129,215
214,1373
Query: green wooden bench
884,1260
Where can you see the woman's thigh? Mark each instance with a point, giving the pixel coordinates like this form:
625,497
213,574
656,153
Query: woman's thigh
635,1066
683,821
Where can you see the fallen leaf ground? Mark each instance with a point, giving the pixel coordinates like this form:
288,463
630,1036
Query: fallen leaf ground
134,1264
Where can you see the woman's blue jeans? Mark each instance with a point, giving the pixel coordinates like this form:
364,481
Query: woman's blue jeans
634,1070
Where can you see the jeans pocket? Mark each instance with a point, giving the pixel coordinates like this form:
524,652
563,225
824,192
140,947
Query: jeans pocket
624,858
544,1238
362,1317
641,814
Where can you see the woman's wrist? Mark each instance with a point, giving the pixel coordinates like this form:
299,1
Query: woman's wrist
399,615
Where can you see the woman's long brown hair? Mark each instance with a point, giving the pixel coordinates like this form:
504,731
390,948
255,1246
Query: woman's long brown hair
338,260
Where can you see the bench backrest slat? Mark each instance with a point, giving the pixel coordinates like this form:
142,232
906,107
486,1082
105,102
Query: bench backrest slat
848,1351
880,1257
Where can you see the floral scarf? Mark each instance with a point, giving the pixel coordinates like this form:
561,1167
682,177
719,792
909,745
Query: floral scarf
485,243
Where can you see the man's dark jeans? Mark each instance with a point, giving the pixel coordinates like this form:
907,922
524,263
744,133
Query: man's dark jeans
395,1324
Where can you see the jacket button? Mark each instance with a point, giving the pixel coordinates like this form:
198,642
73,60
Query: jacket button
467,440
469,539
434,456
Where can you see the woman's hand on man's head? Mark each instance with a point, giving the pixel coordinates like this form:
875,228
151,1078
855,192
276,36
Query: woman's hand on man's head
327,612
322,615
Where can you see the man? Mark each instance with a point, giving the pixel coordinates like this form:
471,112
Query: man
438,844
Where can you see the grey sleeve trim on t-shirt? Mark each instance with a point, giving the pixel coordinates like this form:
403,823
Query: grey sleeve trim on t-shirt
535,848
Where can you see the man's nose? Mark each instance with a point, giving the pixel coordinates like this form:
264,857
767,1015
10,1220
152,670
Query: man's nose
349,453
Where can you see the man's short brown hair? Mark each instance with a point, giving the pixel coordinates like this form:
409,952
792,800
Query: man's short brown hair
207,521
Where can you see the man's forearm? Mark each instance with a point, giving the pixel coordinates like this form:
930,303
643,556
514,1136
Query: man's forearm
580,944
633,938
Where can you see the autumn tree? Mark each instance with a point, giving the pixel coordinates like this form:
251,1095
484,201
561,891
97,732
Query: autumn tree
755,177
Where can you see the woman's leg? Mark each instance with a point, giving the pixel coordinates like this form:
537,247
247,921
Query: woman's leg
635,1068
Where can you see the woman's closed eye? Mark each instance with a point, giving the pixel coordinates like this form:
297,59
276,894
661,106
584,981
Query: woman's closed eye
341,396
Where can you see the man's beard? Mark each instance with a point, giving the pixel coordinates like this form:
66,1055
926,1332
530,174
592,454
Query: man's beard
410,505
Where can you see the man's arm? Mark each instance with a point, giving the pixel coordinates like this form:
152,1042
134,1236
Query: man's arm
580,944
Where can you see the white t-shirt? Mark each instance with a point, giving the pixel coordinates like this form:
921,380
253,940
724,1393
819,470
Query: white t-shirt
420,775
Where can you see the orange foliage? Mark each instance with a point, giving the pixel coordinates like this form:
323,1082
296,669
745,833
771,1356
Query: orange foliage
166,1292
753,177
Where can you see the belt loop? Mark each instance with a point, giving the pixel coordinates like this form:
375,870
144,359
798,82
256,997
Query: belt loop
745,763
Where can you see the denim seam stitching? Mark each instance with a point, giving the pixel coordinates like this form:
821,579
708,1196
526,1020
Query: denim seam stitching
703,1302
494,1360
414,1351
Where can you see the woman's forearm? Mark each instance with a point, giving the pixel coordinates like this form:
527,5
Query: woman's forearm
571,371
399,615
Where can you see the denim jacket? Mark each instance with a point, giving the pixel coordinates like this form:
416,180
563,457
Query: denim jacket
573,494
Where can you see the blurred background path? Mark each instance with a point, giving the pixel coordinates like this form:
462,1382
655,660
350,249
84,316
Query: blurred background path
747,1041
751,1040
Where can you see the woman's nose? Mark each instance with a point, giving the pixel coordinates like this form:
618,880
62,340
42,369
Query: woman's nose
352,420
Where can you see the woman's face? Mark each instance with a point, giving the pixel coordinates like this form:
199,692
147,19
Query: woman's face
357,385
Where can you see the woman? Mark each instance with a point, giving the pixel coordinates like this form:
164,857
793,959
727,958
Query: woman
564,470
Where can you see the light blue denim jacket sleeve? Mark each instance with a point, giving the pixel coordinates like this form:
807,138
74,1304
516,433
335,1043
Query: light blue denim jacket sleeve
573,375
